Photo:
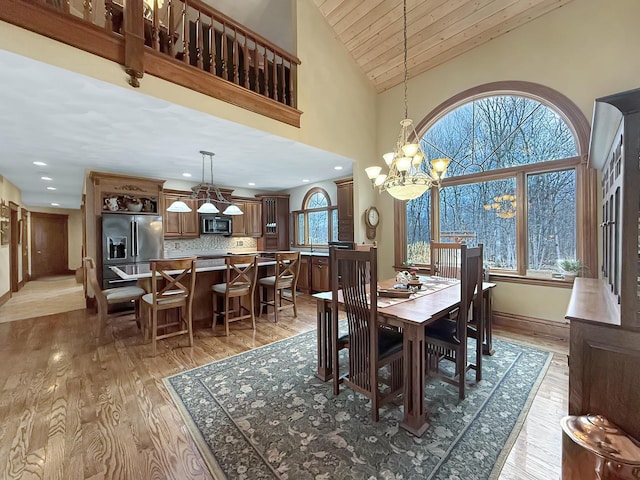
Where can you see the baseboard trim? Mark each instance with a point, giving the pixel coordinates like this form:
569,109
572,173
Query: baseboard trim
531,326
5,298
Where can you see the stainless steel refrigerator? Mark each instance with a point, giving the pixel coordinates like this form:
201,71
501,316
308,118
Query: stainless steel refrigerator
128,239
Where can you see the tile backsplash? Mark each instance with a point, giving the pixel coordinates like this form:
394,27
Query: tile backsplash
208,243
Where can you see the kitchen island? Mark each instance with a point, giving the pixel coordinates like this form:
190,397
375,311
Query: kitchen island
208,272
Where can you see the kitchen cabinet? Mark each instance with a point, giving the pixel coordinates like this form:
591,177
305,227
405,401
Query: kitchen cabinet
320,274
345,209
303,275
275,222
180,224
249,224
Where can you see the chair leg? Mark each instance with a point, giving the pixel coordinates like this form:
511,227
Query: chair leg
154,329
189,326
214,311
293,299
226,314
461,362
277,302
253,311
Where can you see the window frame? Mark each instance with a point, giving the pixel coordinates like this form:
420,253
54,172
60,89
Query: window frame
586,178
306,211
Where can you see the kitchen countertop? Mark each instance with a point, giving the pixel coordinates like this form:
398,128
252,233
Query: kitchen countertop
143,270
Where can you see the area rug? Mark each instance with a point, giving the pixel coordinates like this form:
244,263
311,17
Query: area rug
264,415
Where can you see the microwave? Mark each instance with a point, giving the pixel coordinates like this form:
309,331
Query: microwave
215,224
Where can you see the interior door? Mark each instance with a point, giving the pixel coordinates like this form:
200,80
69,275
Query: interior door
24,240
13,246
49,245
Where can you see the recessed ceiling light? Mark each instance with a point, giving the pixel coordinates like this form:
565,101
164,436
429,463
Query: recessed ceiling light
40,164
305,180
186,174
337,167
252,184
55,204
48,179
51,188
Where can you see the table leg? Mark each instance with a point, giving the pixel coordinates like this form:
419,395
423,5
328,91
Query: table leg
415,419
325,370
487,345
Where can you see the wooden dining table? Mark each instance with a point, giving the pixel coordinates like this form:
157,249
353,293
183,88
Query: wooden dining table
411,316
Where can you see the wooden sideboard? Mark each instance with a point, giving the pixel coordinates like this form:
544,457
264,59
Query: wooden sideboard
605,329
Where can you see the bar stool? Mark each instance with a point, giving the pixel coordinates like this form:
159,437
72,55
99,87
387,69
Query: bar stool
240,280
286,277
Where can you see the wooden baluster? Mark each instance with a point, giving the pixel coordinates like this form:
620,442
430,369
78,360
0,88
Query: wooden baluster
282,86
293,81
155,30
274,74
87,10
223,50
256,66
108,15
265,70
199,42
185,34
170,28
212,47
245,63
236,58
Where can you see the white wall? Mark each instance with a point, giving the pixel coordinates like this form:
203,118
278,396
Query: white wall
584,50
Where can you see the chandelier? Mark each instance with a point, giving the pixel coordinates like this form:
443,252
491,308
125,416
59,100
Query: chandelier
206,191
504,206
409,176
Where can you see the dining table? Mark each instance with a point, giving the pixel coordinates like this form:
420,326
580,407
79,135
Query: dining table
411,315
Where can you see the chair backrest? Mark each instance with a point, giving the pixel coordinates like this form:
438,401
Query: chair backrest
92,280
470,283
357,270
172,279
446,259
287,269
242,272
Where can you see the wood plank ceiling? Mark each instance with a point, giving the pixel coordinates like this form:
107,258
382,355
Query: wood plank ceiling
437,30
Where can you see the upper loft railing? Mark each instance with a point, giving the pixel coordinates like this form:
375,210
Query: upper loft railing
182,41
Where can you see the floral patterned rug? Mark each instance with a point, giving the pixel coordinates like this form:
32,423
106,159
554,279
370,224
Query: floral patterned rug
264,415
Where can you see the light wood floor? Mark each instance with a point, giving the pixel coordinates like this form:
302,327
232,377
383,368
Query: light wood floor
70,409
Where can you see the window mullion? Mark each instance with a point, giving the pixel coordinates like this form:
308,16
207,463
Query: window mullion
435,215
521,223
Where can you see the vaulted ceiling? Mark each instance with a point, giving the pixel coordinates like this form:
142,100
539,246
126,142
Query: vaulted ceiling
437,30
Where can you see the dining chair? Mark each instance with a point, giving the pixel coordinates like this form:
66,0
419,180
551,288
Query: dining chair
370,346
446,259
172,286
110,296
241,275
286,277
446,338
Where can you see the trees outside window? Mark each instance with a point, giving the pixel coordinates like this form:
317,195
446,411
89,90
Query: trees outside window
317,222
511,184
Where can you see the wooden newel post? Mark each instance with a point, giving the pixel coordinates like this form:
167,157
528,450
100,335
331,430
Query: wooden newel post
134,40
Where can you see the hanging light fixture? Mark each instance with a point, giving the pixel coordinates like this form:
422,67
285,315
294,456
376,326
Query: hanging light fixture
206,191
408,177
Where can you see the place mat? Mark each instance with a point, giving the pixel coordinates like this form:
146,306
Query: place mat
429,285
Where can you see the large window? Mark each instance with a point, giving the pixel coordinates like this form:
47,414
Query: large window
317,222
511,185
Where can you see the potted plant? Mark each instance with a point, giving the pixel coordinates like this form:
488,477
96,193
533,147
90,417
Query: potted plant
571,268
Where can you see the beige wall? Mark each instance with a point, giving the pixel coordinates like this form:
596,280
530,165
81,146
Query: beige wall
586,49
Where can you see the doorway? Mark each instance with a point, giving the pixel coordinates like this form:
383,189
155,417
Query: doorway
49,245
14,239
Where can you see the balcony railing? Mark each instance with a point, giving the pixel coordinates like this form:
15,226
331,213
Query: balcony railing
182,41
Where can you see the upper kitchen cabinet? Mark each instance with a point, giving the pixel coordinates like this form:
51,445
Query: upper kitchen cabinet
275,222
180,224
119,193
249,224
345,209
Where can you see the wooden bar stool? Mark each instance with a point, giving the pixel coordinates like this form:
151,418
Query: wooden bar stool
172,286
286,277
240,280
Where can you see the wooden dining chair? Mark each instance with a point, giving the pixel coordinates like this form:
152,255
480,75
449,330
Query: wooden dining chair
446,259
110,296
446,339
370,346
241,275
286,278
172,286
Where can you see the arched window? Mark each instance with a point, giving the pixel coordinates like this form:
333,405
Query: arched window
317,222
512,183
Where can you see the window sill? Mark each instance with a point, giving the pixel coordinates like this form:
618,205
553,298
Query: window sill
544,282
